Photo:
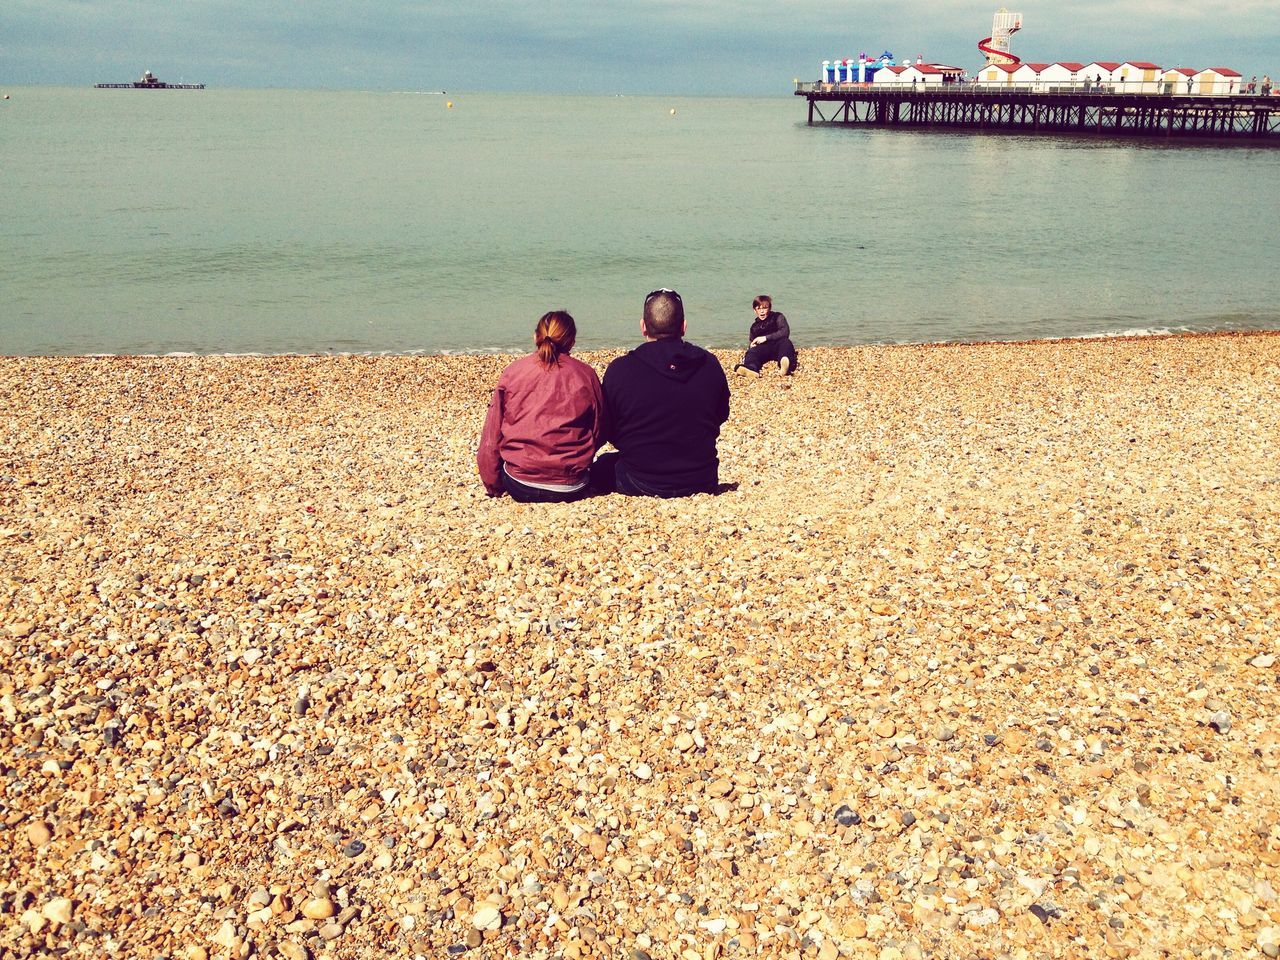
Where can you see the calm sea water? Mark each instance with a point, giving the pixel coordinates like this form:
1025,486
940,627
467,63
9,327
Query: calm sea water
280,221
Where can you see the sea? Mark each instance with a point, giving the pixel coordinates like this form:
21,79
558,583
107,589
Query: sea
423,222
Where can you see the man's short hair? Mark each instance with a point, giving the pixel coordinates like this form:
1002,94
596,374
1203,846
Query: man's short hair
764,300
663,314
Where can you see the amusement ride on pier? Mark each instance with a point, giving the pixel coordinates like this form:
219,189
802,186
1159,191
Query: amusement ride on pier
996,46
1133,98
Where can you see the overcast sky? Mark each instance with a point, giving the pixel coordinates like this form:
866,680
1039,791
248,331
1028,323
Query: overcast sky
627,46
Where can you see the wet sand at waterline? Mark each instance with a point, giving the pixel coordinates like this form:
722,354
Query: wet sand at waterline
975,656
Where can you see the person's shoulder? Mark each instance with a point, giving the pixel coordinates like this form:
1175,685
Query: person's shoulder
703,350
710,362
623,361
699,348
518,366
579,367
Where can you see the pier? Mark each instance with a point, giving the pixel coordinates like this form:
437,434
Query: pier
1241,118
149,81
148,86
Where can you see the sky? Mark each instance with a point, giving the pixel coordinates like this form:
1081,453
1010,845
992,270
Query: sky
669,47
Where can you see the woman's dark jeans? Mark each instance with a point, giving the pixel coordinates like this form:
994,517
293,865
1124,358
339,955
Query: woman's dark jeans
522,493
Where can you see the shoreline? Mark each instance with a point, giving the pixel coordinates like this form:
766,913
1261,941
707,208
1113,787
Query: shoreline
1156,334
978,655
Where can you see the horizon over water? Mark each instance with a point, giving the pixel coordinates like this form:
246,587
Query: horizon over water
276,221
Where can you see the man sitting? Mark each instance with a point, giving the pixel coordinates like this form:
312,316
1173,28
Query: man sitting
665,402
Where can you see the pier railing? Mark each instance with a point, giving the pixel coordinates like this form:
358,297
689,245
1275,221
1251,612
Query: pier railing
1064,89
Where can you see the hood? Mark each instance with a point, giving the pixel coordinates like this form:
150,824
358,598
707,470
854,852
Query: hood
673,358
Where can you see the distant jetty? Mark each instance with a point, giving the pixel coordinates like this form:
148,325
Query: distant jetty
149,81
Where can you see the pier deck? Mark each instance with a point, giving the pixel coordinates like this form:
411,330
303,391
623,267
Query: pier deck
1241,118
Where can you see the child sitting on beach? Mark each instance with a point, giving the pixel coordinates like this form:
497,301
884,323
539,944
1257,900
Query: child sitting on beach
545,421
770,341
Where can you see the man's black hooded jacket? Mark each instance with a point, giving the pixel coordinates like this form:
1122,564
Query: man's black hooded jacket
666,400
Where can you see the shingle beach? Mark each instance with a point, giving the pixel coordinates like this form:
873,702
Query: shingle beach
976,656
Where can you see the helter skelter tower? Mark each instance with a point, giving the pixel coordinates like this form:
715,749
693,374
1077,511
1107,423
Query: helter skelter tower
996,46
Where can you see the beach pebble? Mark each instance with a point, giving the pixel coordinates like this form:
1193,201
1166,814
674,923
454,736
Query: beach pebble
319,909
846,817
58,910
719,788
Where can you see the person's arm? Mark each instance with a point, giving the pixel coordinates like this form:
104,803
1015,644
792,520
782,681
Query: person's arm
610,406
487,458
722,411
600,429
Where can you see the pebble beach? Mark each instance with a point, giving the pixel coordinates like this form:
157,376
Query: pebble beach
976,655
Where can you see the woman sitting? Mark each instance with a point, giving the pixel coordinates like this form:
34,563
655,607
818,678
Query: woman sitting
545,422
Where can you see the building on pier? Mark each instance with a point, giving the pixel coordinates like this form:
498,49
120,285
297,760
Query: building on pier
997,74
1029,74
1005,71
919,75
1217,80
1141,72
1179,80
1100,71
1132,76
1066,74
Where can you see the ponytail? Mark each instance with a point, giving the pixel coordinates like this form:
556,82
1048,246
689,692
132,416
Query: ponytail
554,335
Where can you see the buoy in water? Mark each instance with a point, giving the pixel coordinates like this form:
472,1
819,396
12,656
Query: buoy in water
448,104
673,111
